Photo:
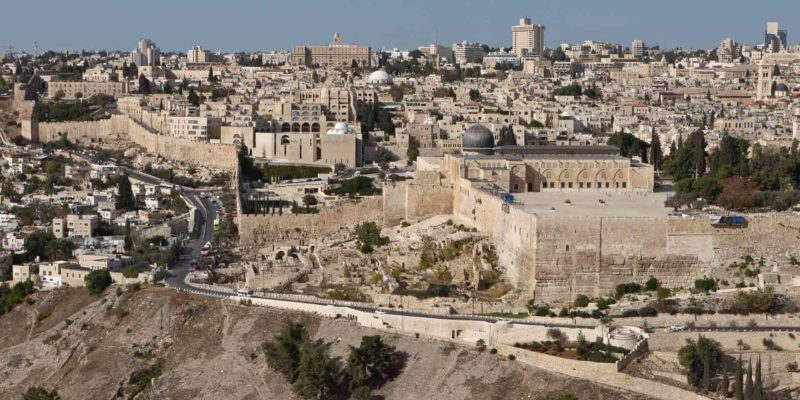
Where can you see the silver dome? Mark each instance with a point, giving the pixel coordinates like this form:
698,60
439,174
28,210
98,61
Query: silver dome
477,137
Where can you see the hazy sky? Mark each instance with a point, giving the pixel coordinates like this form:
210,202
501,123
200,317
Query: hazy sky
234,25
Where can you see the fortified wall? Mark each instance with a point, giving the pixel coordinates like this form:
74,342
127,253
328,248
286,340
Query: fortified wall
428,194
222,156
259,230
555,257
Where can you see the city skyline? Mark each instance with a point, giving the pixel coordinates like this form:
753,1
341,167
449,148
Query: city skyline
175,27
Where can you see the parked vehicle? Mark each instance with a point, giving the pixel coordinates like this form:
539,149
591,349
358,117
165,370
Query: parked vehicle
244,293
677,328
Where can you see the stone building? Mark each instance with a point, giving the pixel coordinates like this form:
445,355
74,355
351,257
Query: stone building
335,54
87,89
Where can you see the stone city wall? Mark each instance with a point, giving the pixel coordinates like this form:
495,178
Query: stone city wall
426,195
555,258
255,230
220,156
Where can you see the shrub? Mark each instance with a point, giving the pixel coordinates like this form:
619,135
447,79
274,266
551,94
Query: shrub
581,301
706,284
97,281
626,288
769,344
652,284
493,351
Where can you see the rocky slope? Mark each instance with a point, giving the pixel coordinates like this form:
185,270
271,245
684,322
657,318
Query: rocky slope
89,347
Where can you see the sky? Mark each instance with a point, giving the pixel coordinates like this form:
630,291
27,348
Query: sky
256,25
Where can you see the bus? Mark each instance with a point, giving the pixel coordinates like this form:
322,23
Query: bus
216,224
192,265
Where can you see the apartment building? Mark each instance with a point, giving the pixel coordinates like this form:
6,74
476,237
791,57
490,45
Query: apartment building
87,89
466,52
74,226
198,129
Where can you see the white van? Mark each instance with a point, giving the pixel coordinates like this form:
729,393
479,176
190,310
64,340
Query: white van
244,293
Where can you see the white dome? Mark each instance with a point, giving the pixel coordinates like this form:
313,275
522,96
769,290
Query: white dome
379,77
340,128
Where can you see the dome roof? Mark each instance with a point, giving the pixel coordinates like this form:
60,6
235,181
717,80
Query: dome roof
477,137
340,128
781,87
379,77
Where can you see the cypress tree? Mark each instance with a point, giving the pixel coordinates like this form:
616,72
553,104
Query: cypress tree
748,384
706,380
655,151
125,199
725,384
758,386
699,156
128,240
738,393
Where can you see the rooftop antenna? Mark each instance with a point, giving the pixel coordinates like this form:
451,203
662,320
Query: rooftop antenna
35,49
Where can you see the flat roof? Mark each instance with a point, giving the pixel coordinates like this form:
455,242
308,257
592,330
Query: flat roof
587,203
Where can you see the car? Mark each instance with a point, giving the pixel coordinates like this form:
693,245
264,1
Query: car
380,312
244,293
677,328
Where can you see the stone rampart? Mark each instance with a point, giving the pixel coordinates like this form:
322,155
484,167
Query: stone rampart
222,156
554,258
255,230
425,196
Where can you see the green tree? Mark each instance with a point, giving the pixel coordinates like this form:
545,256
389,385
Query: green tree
369,235
128,240
758,386
310,200
40,393
655,151
97,281
702,359
144,84
507,137
193,98
474,95
283,352
9,190
738,388
629,145
371,364
211,74
131,272
315,372
412,153
699,153
748,383
724,384
652,284
125,199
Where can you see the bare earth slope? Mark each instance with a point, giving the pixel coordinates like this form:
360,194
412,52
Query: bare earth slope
88,347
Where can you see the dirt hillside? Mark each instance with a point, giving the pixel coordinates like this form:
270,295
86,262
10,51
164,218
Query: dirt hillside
88,348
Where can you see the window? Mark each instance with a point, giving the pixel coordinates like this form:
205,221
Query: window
563,185
570,185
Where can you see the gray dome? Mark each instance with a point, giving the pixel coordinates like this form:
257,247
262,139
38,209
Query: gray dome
477,137
781,87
